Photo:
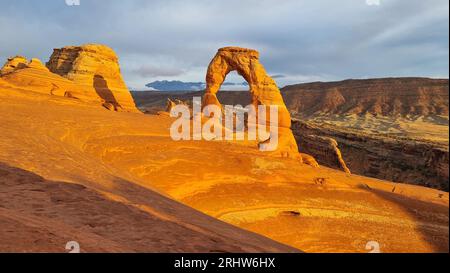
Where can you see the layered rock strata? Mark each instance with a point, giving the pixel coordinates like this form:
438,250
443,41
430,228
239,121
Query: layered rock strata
96,69
388,158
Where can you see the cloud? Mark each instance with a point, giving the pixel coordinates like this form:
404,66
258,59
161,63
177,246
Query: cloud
148,71
373,2
278,76
320,39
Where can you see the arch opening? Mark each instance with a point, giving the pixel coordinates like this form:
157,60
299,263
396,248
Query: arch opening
263,91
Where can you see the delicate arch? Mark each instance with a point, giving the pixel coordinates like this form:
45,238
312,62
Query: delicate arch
246,62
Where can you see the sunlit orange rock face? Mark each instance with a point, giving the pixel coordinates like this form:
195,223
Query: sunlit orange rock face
116,181
262,87
13,64
34,76
96,69
89,73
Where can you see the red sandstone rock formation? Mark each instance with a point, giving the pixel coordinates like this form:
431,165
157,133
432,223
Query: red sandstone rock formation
325,149
89,73
96,69
13,64
34,76
263,89
385,96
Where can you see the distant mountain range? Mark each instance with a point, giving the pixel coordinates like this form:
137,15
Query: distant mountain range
186,86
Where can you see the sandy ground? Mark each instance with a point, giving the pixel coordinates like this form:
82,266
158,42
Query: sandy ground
114,180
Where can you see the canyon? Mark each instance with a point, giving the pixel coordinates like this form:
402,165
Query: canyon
394,129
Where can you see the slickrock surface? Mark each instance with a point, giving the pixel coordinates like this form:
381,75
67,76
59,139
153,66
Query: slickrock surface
35,77
72,171
96,69
263,89
37,64
395,129
53,191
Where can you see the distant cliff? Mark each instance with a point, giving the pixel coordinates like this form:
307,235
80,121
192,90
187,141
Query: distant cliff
387,97
394,128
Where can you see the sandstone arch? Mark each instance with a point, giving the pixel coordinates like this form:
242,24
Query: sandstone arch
263,89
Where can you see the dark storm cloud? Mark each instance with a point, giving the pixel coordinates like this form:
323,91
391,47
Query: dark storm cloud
302,40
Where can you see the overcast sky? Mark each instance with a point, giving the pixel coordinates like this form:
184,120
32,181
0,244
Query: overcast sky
299,40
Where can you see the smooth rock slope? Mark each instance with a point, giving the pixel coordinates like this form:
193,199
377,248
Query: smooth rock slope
131,171
53,192
34,76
